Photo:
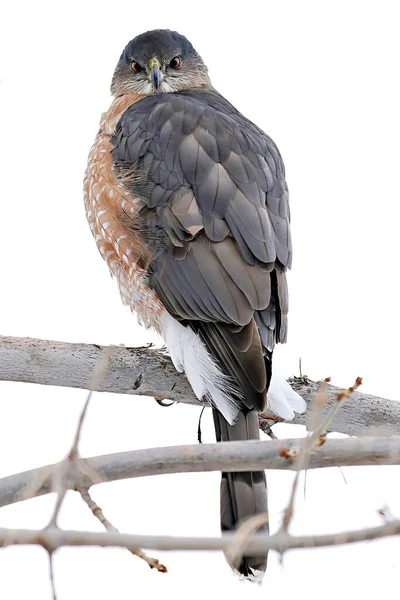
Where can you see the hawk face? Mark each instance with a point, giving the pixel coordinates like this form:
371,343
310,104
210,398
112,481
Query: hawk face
157,62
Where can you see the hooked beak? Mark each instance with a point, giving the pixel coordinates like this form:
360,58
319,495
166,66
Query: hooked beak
156,75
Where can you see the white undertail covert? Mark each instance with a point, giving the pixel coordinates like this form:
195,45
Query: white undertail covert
190,356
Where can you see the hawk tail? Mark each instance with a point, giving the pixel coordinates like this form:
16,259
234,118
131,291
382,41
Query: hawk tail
243,494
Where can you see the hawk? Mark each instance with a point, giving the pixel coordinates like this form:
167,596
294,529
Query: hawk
188,204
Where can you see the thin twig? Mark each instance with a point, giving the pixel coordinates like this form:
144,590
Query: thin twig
305,449
59,475
51,575
242,537
71,462
74,450
153,563
317,406
342,474
340,399
316,437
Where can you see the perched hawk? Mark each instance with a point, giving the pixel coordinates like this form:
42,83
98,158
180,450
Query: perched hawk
188,204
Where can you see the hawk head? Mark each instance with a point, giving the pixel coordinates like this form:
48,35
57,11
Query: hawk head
157,62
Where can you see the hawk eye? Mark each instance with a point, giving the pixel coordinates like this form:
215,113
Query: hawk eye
175,63
136,68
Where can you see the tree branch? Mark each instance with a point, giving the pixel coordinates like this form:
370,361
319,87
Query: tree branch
141,371
228,456
73,456
153,563
149,372
316,437
52,539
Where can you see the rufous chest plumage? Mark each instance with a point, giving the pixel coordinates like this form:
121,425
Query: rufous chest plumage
108,204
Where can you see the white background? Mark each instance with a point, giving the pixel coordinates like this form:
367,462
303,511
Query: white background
322,79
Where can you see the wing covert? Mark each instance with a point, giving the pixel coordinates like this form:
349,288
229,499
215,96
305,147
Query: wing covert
196,145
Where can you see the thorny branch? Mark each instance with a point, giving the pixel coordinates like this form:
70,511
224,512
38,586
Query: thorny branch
72,465
62,470
71,462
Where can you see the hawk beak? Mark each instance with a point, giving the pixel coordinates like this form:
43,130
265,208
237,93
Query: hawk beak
156,75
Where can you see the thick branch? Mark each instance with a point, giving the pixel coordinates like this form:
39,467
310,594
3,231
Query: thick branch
140,371
229,456
149,372
361,414
261,543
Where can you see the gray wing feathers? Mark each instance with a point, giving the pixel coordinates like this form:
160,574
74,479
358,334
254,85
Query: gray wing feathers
192,141
215,276
215,216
